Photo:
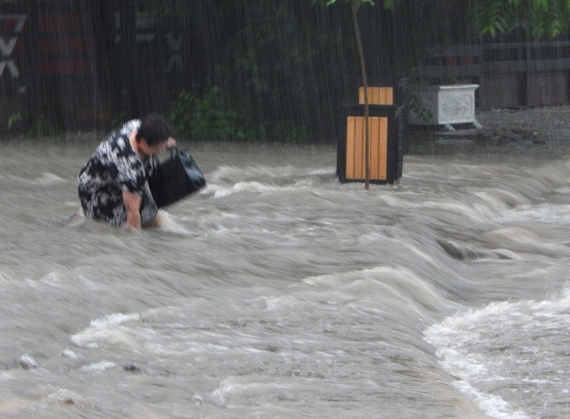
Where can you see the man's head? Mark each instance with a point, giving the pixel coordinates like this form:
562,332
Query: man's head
152,134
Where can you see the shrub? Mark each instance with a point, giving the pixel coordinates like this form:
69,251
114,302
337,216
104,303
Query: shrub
207,117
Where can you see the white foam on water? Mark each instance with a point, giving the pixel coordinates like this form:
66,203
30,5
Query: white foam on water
139,411
53,279
6,376
391,288
126,331
87,283
493,405
235,385
48,179
474,211
6,279
11,407
418,251
183,347
469,347
223,181
468,367
76,219
221,191
508,254
529,240
501,200
45,179
107,330
99,366
169,223
27,361
516,234
322,171
547,213
64,395
114,319
231,173
280,302
386,275
68,353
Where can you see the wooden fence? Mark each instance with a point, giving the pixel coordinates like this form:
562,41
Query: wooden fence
509,74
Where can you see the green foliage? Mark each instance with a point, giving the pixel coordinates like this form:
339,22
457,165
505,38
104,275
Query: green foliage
358,2
43,127
180,114
388,4
538,18
207,117
416,105
14,119
289,132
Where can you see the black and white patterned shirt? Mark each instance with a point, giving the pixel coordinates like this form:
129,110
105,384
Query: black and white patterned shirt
115,167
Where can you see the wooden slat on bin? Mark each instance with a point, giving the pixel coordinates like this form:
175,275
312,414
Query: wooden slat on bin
350,135
355,146
378,148
377,95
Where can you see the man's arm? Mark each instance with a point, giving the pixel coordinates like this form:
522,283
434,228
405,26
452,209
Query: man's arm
132,203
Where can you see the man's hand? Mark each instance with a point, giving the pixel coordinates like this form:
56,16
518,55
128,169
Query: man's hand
171,142
132,205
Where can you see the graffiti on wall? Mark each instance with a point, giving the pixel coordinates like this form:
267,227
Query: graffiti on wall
11,28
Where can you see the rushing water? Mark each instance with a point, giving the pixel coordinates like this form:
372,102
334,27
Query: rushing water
278,292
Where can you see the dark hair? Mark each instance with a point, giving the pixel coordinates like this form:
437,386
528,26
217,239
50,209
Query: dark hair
154,129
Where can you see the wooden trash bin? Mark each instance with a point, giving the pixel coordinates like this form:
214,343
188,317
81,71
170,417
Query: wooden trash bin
384,155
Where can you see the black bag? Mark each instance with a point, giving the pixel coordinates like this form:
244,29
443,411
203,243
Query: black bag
175,179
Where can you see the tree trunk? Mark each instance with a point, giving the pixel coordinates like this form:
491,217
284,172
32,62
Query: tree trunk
365,82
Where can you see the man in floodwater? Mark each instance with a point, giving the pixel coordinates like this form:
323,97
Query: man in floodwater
113,184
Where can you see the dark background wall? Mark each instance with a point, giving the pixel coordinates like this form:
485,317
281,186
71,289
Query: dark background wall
283,65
